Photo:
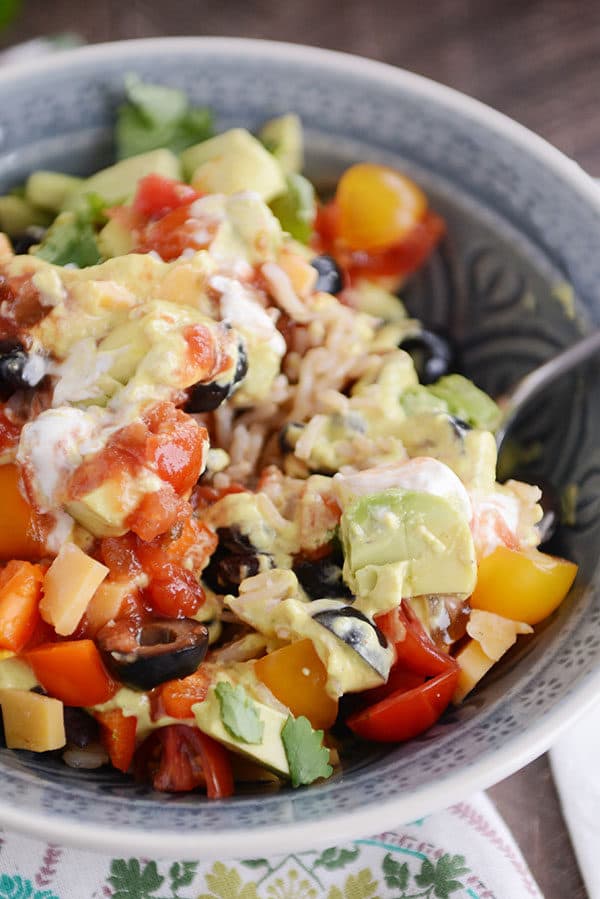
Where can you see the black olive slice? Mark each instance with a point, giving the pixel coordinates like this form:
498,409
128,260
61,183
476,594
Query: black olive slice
356,631
145,655
432,353
206,397
322,577
13,359
330,278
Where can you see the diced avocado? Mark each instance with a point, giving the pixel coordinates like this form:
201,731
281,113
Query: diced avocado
283,138
105,509
467,402
115,240
425,530
419,399
375,300
296,209
16,215
49,190
269,752
231,162
15,674
254,225
471,454
118,183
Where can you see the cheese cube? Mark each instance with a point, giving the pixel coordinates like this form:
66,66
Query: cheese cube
32,721
70,583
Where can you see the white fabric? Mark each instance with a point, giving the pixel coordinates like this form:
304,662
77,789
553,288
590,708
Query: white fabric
465,852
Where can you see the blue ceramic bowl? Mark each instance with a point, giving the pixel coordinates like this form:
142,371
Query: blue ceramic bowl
516,279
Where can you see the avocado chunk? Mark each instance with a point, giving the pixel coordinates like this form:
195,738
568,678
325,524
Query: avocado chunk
398,525
269,752
105,509
466,401
115,240
49,190
283,138
232,162
296,209
118,183
16,215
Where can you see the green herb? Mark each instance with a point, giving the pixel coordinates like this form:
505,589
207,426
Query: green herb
307,758
239,713
71,239
155,116
296,209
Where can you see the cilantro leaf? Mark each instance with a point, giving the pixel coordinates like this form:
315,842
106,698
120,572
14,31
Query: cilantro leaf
239,713
72,238
156,116
307,757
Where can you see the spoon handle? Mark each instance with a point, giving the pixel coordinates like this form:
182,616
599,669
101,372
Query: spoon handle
524,390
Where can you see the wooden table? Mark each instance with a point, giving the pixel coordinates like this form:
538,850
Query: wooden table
536,60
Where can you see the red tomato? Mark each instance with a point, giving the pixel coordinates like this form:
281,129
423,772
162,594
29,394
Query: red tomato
405,713
174,446
404,257
415,649
178,758
175,232
156,196
175,593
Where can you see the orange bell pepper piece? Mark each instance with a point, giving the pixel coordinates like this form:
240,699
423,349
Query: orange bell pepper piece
72,671
17,520
117,733
297,677
176,697
524,585
20,592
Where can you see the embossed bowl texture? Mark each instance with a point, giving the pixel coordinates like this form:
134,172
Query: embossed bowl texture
516,279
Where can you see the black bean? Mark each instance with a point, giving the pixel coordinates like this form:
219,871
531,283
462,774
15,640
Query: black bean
330,278
432,353
80,728
322,578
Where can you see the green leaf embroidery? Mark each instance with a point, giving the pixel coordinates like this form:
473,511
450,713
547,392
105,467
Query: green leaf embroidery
226,883
181,874
359,886
155,116
307,758
133,882
443,875
396,874
256,863
239,713
337,858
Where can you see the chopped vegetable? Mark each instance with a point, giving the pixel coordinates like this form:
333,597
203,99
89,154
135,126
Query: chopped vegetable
525,585
69,585
156,116
71,239
414,648
307,758
73,672
20,591
117,733
296,209
239,713
17,537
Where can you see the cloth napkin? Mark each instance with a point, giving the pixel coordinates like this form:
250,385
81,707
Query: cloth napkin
575,766
465,852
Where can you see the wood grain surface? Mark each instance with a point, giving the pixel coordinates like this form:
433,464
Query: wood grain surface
536,60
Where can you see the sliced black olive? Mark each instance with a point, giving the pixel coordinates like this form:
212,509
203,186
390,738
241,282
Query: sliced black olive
357,632
234,559
13,359
432,353
80,728
330,278
323,577
145,655
206,397
29,238
233,540
289,436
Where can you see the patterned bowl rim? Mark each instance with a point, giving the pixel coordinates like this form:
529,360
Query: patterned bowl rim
517,751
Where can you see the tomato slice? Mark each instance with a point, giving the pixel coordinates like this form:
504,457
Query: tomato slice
405,714
415,649
178,758
156,196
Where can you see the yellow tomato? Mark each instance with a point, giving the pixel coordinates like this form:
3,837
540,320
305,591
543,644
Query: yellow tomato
524,585
377,206
297,677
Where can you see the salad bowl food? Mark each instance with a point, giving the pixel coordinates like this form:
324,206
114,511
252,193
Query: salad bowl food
347,562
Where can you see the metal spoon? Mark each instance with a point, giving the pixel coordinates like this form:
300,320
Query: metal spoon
515,400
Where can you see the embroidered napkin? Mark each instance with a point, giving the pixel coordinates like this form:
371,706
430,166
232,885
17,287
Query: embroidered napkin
465,852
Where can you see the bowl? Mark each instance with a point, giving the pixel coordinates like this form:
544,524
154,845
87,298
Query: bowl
516,279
